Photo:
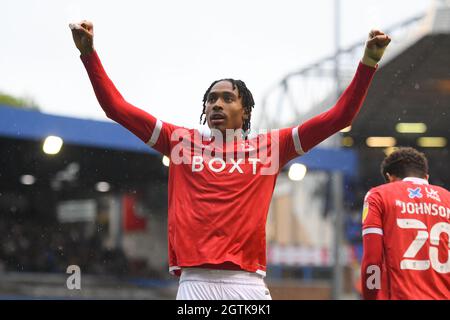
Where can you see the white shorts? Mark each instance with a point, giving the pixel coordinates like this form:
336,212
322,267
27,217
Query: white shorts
211,284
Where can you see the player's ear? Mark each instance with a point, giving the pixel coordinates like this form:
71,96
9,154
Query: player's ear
390,177
427,177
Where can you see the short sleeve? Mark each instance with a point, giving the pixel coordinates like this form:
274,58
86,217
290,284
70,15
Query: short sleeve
372,213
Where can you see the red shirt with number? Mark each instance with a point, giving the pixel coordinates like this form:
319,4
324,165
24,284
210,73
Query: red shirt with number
406,230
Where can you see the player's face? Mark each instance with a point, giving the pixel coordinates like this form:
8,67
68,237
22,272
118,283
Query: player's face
224,108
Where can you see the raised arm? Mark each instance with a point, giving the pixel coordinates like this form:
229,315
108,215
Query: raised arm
341,115
149,129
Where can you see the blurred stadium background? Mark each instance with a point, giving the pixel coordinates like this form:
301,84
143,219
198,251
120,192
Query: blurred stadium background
88,193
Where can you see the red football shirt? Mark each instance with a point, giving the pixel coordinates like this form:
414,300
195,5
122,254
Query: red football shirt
406,234
218,201
218,204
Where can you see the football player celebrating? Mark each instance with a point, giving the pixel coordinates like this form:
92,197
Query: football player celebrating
221,182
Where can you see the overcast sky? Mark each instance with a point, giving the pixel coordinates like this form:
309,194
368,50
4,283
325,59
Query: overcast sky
162,55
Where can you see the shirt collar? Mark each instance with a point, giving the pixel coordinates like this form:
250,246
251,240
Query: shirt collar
416,180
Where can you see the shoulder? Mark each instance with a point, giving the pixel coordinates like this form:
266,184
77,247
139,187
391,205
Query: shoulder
288,131
376,192
390,187
440,189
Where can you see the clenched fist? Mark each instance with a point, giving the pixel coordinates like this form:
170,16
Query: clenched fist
375,46
83,36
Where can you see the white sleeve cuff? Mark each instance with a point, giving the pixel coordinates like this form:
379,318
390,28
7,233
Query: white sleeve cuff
296,139
372,230
155,133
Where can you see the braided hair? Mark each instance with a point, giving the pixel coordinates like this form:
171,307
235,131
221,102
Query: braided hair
247,100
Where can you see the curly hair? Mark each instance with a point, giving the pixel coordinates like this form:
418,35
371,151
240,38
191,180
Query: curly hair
247,100
405,162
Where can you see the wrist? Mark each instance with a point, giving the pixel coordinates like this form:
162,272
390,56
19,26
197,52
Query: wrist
369,61
86,51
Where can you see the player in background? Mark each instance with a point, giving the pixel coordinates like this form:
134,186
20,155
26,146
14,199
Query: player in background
406,232
219,198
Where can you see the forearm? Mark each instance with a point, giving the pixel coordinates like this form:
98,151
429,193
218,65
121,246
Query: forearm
116,108
372,267
341,115
107,94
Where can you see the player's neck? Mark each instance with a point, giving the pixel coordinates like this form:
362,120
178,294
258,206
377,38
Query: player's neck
419,180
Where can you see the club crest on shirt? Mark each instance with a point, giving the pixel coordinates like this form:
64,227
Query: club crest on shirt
365,207
365,211
415,193
433,194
